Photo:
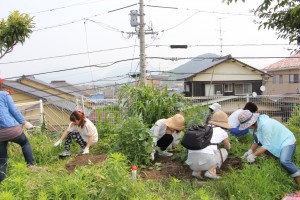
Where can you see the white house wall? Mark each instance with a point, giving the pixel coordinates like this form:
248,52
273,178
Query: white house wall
228,71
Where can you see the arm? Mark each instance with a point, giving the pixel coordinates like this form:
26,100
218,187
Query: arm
64,135
14,110
259,151
227,144
89,142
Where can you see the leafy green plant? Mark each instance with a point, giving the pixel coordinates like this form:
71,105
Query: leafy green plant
149,102
294,120
132,138
195,114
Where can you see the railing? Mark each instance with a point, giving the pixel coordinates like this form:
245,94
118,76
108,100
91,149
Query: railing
56,114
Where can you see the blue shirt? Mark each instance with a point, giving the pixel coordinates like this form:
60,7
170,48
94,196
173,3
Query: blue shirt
273,135
10,116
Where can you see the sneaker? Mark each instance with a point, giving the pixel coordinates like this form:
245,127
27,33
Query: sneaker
211,176
165,153
80,151
152,156
65,153
198,176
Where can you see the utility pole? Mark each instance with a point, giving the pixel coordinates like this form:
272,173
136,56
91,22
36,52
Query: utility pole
143,78
139,26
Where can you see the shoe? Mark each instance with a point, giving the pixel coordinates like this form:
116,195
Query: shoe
165,153
80,151
209,175
65,153
198,176
152,156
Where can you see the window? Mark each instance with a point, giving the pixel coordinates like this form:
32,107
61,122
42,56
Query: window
245,88
218,89
187,88
280,79
228,87
294,78
274,79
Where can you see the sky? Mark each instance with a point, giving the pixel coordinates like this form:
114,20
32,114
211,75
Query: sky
92,41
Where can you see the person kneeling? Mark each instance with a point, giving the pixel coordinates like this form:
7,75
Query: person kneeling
210,158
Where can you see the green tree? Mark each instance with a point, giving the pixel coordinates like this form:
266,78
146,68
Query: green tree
14,30
283,16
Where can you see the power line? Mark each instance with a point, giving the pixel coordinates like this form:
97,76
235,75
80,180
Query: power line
66,55
158,45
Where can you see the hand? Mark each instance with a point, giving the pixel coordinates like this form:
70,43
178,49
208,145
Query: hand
86,151
251,158
249,152
28,125
57,143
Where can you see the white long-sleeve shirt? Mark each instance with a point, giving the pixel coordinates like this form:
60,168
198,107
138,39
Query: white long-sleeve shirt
160,129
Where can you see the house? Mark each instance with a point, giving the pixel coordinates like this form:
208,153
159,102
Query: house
210,75
55,111
285,76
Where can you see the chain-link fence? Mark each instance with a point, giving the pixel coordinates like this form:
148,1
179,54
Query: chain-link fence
55,114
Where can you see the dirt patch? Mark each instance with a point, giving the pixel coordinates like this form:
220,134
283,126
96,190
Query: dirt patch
82,160
164,167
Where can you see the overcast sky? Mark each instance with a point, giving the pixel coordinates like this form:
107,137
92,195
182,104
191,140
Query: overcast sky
66,31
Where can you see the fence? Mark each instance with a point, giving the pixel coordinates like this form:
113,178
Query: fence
55,114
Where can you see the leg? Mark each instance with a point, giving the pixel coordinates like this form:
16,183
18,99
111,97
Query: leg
77,138
165,141
3,160
221,155
286,162
26,148
68,142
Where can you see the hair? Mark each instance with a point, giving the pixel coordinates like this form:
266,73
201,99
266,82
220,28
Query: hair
251,107
78,115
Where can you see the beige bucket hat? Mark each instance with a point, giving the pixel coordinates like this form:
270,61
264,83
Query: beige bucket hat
220,119
176,122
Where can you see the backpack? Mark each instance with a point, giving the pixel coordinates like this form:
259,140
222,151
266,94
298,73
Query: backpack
197,137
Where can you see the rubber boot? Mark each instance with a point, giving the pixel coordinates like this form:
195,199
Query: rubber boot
297,180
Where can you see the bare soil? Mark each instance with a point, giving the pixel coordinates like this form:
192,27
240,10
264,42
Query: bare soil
164,167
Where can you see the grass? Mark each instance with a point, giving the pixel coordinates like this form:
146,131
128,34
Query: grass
112,179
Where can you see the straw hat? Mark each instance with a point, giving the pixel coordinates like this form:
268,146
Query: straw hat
215,107
247,118
176,122
220,119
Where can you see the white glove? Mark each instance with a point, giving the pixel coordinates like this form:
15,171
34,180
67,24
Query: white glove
86,151
249,152
57,143
28,125
251,158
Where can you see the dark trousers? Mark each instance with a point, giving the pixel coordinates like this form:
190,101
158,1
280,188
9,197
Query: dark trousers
77,138
26,149
165,141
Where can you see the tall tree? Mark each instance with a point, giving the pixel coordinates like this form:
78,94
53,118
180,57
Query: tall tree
282,15
14,30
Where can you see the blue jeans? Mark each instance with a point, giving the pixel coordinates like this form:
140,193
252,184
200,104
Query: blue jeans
26,149
285,158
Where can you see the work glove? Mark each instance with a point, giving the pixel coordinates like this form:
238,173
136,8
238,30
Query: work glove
57,143
249,152
86,151
28,125
251,158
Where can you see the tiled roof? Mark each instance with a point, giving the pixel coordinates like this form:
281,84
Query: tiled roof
48,98
50,85
287,63
200,64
